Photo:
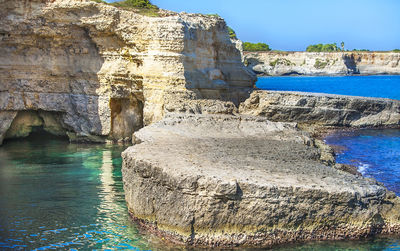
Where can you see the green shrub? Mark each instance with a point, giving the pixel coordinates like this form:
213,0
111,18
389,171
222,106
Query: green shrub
320,64
144,4
360,50
247,46
396,50
144,7
213,15
232,33
323,48
281,61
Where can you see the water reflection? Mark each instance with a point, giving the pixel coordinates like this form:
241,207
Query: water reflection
56,195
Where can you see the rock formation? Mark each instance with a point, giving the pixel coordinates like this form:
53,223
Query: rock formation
323,63
322,109
210,168
100,73
220,180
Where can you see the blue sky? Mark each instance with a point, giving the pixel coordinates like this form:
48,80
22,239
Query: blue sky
295,24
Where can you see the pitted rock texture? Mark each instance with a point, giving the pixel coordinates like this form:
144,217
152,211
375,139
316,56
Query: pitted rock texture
219,180
102,73
322,109
323,63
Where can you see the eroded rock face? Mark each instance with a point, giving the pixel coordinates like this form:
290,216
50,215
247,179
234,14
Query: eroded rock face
323,63
108,71
322,109
6,118
218,180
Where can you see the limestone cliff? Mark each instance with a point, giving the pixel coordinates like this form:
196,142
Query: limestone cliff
95,72
323,63
211,169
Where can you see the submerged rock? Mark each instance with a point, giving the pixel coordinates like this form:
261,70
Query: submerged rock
220,180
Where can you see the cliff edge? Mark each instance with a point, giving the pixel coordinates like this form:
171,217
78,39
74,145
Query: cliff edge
209,168
94,72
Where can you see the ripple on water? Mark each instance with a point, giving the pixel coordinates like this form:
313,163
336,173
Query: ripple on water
376,153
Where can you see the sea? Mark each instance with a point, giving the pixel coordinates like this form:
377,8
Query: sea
55,195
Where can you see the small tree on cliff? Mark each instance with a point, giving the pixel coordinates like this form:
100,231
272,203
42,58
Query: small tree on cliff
342,45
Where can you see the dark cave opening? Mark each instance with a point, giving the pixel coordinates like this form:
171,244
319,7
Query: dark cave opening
38,135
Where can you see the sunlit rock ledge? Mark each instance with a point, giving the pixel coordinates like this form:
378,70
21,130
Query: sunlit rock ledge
210,168
323,109
223,180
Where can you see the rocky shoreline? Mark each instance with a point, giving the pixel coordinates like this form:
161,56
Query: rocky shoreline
222,180
323,63
205,175
216,162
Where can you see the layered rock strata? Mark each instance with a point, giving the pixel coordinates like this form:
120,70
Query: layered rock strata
322,109
219,180
101,73
323,63
205,176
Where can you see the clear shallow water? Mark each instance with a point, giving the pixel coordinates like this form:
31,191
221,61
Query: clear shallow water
367,86
56,195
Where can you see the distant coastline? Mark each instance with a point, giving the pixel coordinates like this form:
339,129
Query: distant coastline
285,63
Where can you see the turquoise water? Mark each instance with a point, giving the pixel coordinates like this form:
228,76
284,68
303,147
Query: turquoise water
56,195
368,86
60,196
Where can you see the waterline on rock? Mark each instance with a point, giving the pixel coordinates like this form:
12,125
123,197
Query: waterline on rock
374,151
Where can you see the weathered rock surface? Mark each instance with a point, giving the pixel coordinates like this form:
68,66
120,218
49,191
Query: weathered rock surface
102,73
322,109
323,63
205,176
219,180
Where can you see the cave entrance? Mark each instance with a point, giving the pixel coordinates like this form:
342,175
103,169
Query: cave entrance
36,126
38,135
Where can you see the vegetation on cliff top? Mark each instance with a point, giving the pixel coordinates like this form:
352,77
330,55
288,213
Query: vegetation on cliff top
247,46
144,7
360,50
323,48
232,33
